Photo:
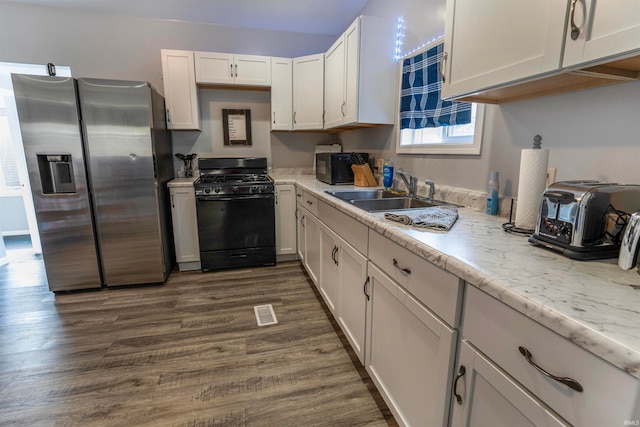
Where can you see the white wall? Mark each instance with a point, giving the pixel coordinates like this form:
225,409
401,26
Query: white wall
13,219
122,47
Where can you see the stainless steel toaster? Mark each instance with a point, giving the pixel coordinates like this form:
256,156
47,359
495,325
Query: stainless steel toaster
585,219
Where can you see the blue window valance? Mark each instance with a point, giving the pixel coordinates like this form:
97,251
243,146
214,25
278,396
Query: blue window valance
420,102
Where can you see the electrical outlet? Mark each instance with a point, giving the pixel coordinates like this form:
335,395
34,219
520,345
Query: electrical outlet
551,176
379,165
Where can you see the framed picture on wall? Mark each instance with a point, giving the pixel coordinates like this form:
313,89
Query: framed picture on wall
236,126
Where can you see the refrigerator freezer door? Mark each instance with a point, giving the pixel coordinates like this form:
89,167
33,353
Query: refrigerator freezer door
48,115
116,119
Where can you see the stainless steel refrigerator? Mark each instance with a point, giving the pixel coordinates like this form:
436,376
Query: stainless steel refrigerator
99,158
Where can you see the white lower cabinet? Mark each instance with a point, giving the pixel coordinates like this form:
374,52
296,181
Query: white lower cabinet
581,388
354,301
330,275
309,242
185,227
343,287
485,396
285,221
410,354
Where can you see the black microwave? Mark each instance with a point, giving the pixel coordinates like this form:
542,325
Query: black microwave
335,168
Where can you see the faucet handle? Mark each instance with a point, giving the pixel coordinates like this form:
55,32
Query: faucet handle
432,189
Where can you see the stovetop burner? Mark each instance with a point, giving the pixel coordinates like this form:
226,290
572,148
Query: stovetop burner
220,179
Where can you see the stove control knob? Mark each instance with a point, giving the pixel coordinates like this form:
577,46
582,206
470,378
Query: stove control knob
207,190
263,189
235,189
217,189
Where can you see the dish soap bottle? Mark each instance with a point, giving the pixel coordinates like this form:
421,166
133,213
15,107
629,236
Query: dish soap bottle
492,197
387,174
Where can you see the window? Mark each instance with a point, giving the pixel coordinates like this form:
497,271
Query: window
429,125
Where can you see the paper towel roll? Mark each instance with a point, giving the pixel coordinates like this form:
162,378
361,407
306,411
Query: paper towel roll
531,185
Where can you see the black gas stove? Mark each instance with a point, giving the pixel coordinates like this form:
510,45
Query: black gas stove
235,202
228,176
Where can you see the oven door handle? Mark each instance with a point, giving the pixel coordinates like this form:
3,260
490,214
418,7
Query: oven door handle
232,198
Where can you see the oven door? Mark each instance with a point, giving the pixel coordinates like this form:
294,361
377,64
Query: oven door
236,231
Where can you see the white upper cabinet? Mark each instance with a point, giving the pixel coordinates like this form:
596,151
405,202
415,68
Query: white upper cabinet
601,30
492,43
334,96
228,69
180,91
308,92
281,94
360,72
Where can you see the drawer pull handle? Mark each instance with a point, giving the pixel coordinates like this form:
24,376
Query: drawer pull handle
569,382
366,282
405,269
461,373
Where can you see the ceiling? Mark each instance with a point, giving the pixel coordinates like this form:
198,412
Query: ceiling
327,17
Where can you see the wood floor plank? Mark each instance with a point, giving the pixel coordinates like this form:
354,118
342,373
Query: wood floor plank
186,353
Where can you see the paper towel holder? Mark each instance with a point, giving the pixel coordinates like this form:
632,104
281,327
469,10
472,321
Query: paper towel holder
511,225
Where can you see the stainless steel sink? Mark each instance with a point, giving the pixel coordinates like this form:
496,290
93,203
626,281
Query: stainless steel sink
381,200
374,205
349,195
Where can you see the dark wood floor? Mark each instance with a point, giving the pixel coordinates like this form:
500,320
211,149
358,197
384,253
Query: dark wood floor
187,353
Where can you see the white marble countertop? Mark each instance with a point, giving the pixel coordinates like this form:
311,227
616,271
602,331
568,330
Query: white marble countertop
182,182
594,304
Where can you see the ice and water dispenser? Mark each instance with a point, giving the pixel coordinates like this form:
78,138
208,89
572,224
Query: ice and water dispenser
56,173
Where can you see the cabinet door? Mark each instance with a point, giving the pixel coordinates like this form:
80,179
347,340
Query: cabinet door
285,219
488,397
300,233
281,94
214,68
308,92
334,84
252,70
606,29
185,224
351,72
180,92
353,300
491,43
410,355
329,276
312,246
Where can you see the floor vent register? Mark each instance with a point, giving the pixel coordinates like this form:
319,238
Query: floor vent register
265,315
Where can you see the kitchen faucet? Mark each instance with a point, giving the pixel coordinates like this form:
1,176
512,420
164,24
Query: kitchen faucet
432,189
410,181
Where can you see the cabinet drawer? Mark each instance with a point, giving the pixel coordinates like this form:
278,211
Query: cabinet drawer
609,396
310,202
353,232
438,290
